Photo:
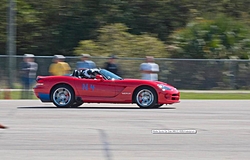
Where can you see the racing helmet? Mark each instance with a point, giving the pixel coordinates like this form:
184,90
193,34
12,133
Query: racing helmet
95,71
87,73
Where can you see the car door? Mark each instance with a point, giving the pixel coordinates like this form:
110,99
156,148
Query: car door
95,88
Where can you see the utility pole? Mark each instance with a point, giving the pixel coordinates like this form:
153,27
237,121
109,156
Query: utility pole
11,40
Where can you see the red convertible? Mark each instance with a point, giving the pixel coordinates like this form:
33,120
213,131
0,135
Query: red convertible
102,86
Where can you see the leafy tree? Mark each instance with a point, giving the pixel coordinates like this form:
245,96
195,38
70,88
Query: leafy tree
3,24
221,37
56,26
159,17
50,27
28,25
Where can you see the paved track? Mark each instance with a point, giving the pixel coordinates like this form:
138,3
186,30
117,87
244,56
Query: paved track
113,131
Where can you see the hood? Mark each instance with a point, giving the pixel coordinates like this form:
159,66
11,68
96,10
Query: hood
141,81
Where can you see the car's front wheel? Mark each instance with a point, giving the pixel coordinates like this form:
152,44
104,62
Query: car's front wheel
76,104
145,97
157,105
62,96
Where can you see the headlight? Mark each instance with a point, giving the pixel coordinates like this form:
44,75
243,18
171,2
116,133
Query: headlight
163,87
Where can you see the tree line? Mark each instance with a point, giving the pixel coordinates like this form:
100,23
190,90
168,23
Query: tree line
131,28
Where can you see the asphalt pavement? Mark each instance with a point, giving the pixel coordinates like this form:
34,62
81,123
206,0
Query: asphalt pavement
39,131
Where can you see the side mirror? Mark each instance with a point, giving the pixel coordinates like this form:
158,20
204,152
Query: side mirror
99,77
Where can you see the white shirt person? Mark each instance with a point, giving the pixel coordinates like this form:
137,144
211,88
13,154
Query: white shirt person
149,69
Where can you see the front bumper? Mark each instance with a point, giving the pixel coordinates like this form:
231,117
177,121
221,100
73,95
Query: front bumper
168,97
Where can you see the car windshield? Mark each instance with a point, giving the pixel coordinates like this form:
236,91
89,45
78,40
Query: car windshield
109,75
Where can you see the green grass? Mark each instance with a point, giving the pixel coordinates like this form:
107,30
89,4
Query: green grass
184,95
233,96
14,95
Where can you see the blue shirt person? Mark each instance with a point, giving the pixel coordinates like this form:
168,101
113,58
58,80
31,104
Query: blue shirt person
85,63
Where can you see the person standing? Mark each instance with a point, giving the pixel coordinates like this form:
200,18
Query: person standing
112,66
33,70
85,63
59,67
66,66
149,69
28,74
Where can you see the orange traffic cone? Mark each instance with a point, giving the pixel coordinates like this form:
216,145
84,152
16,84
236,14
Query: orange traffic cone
2,127
6,94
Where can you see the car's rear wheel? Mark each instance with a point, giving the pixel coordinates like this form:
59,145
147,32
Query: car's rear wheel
62,96
145,97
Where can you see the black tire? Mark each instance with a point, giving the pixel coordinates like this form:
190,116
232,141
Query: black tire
158,105
62,96
145,97
76,104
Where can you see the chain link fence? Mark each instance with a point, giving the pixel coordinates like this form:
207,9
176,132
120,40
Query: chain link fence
191,74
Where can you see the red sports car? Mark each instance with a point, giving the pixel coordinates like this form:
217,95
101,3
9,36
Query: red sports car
102,86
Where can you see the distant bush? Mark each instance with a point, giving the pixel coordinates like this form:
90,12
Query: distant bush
114,39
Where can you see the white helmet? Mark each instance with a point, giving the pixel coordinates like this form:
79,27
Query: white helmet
87,73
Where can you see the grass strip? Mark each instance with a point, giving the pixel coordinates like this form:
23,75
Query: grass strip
184,95
214,96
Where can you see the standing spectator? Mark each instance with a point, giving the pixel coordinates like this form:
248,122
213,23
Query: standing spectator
149,69
28,74
85,63
66,66
59,67
33,70
112,66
